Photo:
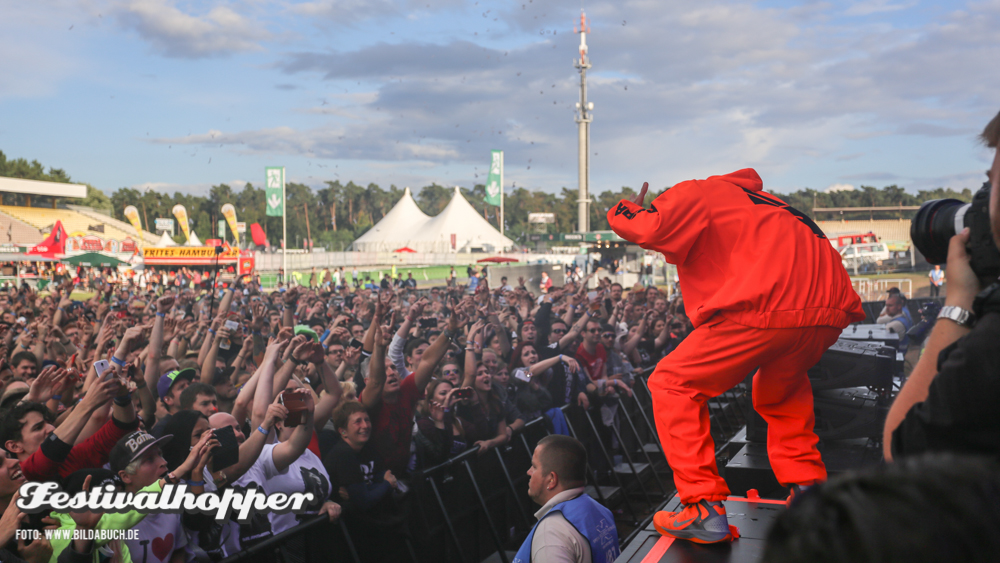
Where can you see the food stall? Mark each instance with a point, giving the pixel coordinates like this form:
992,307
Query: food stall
205,258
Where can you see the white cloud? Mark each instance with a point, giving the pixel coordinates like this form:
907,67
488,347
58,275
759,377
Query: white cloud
839,188
174,33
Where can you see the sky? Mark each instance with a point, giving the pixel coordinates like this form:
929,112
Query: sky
175,95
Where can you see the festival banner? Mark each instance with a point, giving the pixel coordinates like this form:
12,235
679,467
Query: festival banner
132,214
182,219
493,183
274,191
229,212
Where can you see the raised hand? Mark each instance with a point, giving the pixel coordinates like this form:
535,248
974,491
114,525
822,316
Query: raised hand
641,198
291,296
163,304
352,355
285,333
44,386
275,412
259,312
417,309
301,348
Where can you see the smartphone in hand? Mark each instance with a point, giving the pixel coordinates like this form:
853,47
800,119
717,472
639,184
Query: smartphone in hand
295,404
103,367
228,451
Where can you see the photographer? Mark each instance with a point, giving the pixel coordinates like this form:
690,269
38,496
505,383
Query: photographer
949,401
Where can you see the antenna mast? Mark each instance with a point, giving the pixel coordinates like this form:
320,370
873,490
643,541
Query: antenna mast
583,118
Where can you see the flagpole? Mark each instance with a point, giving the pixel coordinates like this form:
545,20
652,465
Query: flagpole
284,229
501,192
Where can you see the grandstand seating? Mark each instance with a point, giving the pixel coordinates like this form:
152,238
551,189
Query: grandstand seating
149,237
73,221
21,233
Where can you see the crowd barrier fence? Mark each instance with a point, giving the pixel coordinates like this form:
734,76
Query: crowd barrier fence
475,507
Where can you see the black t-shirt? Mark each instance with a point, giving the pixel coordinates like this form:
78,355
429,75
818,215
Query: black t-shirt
959,414
362,473
347,467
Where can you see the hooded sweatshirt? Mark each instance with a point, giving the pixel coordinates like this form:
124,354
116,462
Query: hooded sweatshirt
743,253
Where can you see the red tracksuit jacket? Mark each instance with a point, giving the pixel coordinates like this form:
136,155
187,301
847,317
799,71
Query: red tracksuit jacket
743,253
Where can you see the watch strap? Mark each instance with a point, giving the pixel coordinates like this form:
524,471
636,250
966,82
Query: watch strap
963,317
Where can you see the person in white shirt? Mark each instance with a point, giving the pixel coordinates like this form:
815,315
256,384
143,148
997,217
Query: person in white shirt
572,527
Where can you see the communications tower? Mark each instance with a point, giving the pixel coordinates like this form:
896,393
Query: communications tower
583,118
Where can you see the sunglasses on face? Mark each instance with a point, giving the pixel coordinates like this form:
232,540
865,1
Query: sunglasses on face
607,335
559,331
449,371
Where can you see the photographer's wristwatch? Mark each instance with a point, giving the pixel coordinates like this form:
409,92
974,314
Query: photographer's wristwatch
963,317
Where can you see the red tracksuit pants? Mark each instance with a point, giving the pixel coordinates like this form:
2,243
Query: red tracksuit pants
712,359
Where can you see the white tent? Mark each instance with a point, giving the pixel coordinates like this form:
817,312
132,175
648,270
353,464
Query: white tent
195,241
165,240
461,220
401,224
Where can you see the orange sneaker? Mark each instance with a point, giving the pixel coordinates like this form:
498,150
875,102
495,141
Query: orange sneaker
794,492
701,522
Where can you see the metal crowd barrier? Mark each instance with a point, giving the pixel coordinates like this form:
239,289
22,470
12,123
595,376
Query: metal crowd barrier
474,507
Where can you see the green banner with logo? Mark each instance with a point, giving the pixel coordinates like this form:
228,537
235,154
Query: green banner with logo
274,190
494,184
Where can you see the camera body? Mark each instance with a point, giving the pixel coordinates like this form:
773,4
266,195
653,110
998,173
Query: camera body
940,219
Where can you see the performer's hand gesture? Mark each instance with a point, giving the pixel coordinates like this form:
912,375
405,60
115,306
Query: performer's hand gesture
641,198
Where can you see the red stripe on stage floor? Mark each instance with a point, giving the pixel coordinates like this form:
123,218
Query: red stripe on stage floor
757,500
659,548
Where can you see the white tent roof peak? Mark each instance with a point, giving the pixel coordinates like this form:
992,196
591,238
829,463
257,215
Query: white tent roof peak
165,240
406,225
402,222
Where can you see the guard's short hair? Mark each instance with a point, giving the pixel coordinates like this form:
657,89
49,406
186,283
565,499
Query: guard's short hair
991,134
925,509
344,412
190,393
566,457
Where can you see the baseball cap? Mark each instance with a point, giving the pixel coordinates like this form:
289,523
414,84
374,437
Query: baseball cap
303,329
131,447
167,381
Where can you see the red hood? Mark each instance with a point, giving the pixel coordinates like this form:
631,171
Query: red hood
746,178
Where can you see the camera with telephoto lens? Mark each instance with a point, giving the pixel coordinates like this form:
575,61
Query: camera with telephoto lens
940,219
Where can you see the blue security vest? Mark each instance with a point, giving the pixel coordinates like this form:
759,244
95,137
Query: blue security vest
904,340
592,520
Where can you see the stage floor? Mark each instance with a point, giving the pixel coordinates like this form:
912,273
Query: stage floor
753,518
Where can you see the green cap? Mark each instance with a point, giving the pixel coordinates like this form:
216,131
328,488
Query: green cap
303,329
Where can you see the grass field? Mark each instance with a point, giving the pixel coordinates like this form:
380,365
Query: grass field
423,274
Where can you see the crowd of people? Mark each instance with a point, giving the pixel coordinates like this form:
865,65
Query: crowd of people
343,392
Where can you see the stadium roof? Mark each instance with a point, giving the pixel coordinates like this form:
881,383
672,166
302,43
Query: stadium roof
38,187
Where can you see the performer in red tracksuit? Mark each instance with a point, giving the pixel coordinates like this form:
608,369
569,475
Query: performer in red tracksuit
764,289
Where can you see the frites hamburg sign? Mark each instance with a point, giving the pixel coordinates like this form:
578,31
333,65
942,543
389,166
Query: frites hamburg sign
181,255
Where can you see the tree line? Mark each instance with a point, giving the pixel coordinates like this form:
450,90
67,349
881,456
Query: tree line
336,214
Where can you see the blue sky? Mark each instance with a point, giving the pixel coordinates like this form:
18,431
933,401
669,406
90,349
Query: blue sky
179,95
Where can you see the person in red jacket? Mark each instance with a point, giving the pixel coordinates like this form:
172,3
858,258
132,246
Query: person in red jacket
765,290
